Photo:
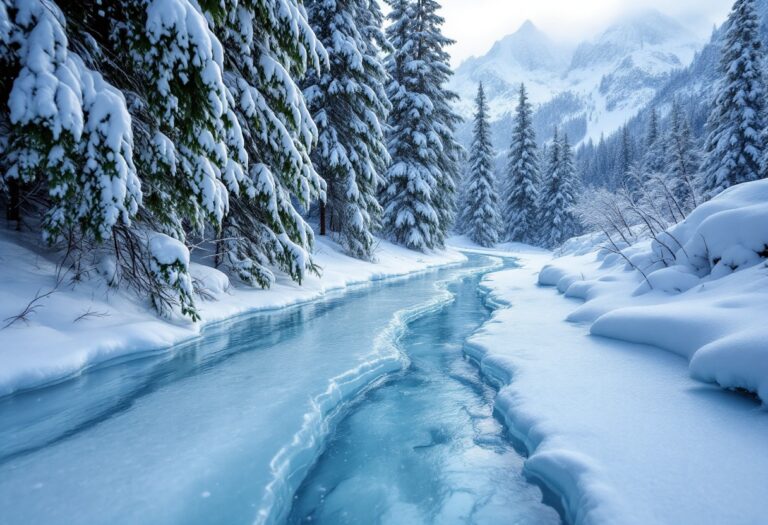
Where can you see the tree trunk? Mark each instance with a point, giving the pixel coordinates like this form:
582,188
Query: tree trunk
14,206
322,218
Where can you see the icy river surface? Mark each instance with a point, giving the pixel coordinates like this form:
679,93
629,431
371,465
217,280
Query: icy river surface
359,408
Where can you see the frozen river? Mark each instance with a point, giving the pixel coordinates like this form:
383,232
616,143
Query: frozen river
358,408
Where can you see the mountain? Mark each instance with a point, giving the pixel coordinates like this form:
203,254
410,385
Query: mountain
528,53
590,89
691,86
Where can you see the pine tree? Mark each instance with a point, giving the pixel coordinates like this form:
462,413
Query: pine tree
558,195
681,159
603,163
70,129
735,147
269,46
520,187
626,156
481,204
349,105
653,159
570,189
419,190
172,119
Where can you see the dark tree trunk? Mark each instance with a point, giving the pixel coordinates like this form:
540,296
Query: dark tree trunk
14,205
322,218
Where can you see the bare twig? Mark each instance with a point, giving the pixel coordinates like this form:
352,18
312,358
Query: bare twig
90,314
29,309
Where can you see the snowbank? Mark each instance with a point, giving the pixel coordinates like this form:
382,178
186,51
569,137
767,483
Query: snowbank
700,290
620,430
82,325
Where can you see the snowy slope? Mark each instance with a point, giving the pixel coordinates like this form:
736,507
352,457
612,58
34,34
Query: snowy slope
704,295
619,430
526,54
610,77
83,324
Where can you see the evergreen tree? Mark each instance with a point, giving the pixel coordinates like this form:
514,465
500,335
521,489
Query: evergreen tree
349,105
269,46
419,190
625,160
70,129
166,119
681,159
735,145
558,195
602,163
481,202
654,158
520,186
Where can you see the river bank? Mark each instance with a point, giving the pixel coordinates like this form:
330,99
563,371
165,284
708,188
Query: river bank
620,430
80,325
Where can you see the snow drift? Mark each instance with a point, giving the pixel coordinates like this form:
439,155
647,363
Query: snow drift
700,289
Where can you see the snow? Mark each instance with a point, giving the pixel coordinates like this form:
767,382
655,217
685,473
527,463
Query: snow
708,296
620,430
54,345
612,76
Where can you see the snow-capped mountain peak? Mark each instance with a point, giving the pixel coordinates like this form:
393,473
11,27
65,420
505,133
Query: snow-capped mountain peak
589,90
528,47
649,28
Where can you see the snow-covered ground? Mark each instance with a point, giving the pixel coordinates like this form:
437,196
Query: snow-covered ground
616,418
700,291
82,325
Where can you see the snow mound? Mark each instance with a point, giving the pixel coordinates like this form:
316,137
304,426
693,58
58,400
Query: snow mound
699,290
724,235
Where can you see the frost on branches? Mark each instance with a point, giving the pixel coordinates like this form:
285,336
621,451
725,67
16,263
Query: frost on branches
519,208
419,190
350,105
480,202
735,145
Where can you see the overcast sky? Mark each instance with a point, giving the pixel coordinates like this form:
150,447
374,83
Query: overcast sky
477,24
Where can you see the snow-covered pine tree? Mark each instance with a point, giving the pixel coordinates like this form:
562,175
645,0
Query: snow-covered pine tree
481,199
735,145
193,152
682,160
654,155
547,188
419,188
349,105
571,187
519,205
70,130
625,159
219,134
269,46
453,155
558,194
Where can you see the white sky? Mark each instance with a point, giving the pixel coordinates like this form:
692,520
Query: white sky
477,24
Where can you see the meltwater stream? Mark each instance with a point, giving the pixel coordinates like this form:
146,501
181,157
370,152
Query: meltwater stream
224,429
